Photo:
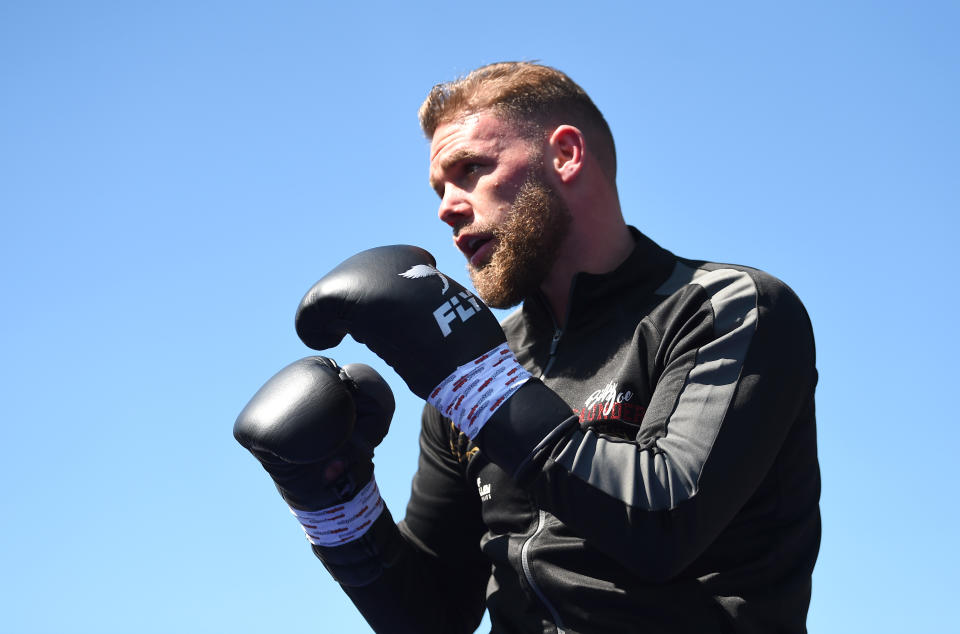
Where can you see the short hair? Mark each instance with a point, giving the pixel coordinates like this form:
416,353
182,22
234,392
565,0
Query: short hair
534,97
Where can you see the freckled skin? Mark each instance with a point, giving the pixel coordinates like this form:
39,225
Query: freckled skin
485,172
507,219
477,165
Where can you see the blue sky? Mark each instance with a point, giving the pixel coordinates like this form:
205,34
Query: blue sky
174,176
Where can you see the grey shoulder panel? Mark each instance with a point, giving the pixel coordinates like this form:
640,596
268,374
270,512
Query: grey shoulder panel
681,275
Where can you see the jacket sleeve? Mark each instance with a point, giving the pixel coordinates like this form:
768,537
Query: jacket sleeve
732,362
426,574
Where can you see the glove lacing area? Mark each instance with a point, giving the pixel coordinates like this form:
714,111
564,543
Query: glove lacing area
474,391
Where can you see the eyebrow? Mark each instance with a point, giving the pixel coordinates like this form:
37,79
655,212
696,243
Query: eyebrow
457,156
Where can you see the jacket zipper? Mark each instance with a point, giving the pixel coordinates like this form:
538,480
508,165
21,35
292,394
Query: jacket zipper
524,550
557,329
557,333
528,573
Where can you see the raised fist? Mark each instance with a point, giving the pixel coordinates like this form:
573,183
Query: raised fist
393,299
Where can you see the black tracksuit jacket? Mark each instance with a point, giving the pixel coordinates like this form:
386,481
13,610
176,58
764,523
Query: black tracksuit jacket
682,494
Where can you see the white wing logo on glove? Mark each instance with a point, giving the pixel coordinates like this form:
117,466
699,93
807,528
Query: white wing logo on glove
425,270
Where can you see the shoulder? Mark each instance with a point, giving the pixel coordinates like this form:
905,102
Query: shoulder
713,276
722,282
731,297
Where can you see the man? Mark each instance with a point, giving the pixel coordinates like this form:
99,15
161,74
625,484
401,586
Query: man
640,455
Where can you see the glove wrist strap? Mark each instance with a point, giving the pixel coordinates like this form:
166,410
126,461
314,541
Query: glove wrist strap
474,391
345,522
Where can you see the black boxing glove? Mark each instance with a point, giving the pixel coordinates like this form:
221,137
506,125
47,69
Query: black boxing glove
314,426
442,340
395,301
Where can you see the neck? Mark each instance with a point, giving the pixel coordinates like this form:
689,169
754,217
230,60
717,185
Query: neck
596,248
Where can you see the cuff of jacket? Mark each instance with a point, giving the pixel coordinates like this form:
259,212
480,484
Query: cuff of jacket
521,433
361,562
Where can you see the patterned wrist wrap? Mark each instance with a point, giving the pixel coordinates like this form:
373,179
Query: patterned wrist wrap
476,389
345,522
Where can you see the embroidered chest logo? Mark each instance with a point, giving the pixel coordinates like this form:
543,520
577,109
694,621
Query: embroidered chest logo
484,489
608,403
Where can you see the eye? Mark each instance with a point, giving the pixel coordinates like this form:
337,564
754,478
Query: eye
472,170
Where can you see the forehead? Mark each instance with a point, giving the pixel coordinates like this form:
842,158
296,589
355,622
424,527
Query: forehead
478,132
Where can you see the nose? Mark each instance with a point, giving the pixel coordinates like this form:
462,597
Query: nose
454,208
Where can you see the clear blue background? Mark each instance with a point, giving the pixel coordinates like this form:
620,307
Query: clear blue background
174,176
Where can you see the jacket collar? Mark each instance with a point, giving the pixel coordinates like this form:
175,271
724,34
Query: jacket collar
644,270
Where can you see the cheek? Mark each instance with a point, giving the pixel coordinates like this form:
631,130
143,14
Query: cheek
495,200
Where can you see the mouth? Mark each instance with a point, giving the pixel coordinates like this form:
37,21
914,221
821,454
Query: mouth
477,248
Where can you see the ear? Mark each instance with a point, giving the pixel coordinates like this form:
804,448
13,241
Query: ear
566,152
